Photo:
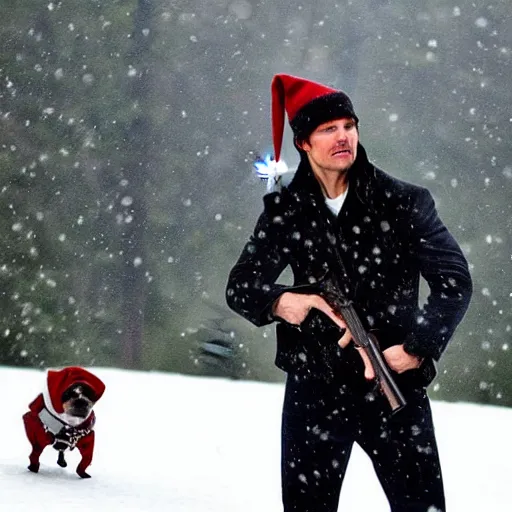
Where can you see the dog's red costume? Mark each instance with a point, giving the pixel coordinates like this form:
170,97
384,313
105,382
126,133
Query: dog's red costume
46,417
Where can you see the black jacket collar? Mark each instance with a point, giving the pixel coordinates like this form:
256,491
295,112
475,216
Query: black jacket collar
361,176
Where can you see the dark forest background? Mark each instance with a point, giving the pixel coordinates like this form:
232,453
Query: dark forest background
128,129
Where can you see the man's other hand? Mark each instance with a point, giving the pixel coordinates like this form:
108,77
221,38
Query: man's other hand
399,360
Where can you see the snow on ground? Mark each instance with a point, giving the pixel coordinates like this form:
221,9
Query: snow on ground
181,443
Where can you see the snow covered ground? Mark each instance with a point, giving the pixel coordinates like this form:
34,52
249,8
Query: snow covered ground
169,442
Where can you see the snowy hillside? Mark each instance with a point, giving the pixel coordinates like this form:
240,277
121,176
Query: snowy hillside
187,444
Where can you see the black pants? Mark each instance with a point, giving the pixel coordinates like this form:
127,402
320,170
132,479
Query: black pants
320,424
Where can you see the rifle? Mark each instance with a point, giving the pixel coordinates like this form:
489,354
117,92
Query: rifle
367,342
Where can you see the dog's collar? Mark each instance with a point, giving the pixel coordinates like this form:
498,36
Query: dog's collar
51,422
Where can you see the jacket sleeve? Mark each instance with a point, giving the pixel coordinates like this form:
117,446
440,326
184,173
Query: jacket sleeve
445,269
251,288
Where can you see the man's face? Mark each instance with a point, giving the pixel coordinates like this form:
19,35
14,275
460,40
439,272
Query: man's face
333,145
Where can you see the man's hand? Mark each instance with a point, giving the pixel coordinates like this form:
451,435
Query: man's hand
294,308
399,360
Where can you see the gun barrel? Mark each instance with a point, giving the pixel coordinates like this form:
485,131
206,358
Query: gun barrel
369,343
383,375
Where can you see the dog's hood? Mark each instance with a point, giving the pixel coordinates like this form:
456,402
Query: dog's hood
60,380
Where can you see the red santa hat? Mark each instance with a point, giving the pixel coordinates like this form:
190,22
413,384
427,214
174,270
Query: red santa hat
307,104
59,381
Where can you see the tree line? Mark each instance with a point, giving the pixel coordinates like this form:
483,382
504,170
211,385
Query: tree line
128,132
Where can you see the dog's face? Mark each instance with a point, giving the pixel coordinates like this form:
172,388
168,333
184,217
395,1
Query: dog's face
78,400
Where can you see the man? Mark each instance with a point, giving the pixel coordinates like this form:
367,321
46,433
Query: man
342,218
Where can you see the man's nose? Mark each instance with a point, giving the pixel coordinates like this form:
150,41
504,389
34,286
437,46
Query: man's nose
342,136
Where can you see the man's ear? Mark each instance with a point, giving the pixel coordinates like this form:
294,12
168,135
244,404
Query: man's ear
302,145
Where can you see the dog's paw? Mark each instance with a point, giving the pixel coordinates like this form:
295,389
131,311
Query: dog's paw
34,467
61,461
83,474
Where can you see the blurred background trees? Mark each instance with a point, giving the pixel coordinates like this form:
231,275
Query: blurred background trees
128,130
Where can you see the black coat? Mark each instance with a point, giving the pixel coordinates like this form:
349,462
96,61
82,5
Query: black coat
388,233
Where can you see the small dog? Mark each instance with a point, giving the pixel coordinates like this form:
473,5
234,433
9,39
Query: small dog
62,416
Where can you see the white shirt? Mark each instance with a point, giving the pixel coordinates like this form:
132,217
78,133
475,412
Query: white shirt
336,204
